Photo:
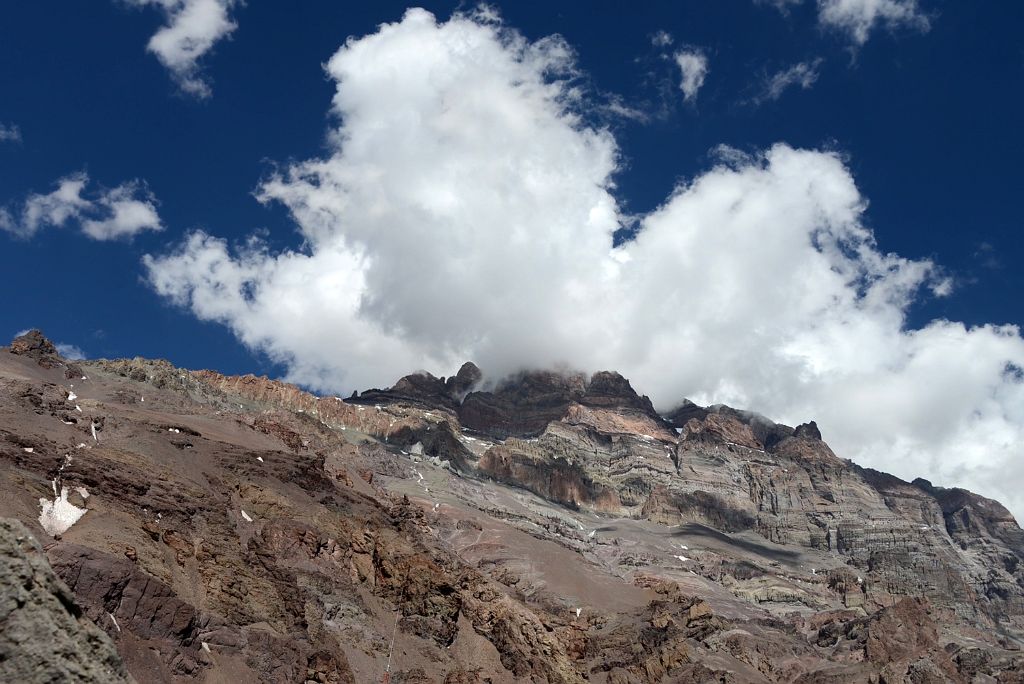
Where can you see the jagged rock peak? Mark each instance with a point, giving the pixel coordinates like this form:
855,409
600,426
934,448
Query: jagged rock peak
34,345
766,431
463,382
807,431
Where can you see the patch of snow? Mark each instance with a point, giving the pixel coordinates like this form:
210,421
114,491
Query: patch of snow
114,620
81,445
78,408
68,422
246,517
57,516
925,527
578,611
206,646
682,558
72,396
28,450
84,378
679,431
174,430
142,398
260,459
684,547
592,533
92,426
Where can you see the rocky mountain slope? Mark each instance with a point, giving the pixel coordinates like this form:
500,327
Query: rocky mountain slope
549,528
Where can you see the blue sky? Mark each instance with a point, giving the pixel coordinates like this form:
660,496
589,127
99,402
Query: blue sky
918,105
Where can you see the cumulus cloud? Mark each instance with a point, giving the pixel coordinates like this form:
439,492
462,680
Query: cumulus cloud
693,67
857,18
193,28
121,212
466,210
803,74
9,133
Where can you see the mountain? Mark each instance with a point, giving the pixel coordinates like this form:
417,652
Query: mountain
549,527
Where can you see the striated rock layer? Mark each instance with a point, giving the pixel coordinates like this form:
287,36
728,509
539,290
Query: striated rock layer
545,528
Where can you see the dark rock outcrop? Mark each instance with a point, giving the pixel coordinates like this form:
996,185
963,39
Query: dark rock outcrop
44,635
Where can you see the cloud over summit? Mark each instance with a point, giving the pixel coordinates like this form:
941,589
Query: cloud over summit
466,210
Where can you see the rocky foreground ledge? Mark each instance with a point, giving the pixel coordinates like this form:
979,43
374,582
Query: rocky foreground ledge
551,528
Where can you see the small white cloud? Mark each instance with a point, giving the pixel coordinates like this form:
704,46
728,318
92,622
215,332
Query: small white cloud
70,352
803,74
131,209
122,212
9,133
693,65
192,29
858,18
54,208
661,39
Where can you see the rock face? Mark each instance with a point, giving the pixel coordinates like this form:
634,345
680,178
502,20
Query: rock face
44,636
547,528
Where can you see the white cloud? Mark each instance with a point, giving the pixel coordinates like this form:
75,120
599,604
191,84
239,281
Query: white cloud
129,209
858,18
466,211
9,133
121,212
693,67
803,74
193,27
70,351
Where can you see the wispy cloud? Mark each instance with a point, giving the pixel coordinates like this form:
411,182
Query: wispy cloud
70,351
661,39
120,212
9,133
802,74
858,18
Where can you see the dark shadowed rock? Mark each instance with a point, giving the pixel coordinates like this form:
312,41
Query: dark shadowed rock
425,390
808,431
44,636
523,404
460,384
609,390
